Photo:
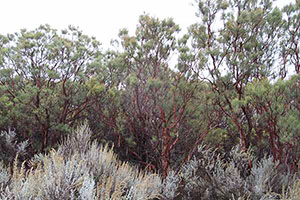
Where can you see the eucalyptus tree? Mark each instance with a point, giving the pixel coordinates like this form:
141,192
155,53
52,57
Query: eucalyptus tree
43,75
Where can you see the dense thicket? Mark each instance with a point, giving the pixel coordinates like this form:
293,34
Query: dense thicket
84,170
235,81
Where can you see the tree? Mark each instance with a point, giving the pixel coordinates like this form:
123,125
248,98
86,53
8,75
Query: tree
148,117
244,48
43,75
290,41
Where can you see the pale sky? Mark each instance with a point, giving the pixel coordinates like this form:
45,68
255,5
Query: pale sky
100,18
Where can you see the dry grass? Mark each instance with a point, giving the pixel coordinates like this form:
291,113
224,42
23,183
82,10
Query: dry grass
292,192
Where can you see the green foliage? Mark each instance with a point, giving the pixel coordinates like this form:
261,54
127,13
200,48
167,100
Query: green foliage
152,100
42,86
236,80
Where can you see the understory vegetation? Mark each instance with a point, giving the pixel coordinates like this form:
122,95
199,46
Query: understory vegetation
212,113
82,169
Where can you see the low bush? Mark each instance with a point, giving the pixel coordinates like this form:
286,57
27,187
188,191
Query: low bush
78,169
10,147
240,176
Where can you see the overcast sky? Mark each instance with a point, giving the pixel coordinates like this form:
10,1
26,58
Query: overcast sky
100,18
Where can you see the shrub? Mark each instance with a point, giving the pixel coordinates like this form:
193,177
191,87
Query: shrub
79,169
10,148
211,176
84,170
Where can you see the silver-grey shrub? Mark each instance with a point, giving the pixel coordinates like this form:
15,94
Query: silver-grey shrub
211,175
79,169
10,148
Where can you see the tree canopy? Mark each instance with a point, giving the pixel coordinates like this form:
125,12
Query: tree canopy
235,81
